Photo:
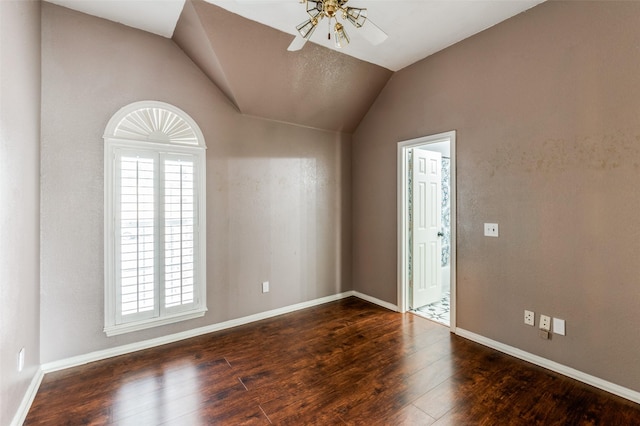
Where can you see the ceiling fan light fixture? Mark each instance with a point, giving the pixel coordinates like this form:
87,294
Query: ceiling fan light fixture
357,16
314,8
307,28
340,35
335,10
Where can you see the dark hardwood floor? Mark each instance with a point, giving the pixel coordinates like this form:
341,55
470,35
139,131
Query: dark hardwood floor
346,362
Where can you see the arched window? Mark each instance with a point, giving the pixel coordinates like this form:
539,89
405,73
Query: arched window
155,228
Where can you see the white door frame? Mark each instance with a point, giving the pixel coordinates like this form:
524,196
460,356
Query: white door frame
403,237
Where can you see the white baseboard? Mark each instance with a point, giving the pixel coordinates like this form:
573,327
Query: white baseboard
618,390
146,344
27,400
376,301
125,349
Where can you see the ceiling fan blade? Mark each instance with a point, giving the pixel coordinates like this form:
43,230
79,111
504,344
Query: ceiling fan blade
297,43
372,33
357,16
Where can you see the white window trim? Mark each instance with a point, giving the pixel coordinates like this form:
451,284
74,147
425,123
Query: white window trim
179,134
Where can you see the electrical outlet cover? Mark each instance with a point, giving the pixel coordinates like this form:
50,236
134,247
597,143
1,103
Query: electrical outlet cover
545,323
529,317
491,230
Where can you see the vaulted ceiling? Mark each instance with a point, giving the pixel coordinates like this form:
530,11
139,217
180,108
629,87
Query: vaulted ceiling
315,87
241,45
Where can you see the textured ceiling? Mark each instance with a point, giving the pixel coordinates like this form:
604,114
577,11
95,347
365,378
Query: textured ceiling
416,28
241,45
155,16
315,87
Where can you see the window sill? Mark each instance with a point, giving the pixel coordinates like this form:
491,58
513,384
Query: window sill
114,330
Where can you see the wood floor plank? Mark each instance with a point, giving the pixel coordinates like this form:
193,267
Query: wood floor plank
439,400
343,363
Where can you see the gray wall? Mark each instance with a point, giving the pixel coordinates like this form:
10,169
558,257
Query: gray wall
277,195
546,108
19,199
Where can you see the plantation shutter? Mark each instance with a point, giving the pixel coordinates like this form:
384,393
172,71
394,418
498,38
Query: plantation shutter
155,218
143,290
136,229
179,236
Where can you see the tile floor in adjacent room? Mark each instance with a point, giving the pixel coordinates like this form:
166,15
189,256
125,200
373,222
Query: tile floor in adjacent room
437,311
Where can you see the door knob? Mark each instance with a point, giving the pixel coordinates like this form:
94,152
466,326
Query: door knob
440,234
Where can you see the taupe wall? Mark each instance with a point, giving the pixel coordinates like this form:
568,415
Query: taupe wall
19,199
546,106
277,195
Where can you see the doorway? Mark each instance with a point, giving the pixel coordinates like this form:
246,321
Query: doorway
426,227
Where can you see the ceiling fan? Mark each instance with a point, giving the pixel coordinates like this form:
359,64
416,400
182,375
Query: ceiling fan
334,9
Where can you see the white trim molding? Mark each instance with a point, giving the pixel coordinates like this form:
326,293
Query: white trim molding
597,382
376,301
153,322
146,344
29,396
402,217
27,399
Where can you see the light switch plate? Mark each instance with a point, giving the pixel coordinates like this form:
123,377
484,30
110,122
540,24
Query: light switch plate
20,360
491,230
559,326
265,287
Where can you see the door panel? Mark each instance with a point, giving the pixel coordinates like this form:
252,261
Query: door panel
427,216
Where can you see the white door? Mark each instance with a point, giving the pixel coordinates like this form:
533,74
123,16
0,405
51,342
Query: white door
427,216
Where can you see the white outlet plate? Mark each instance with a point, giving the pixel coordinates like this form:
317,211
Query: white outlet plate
529,317
545,323
559,326
265,287
491,230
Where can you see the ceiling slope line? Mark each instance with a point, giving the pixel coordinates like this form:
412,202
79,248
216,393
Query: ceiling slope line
194,41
